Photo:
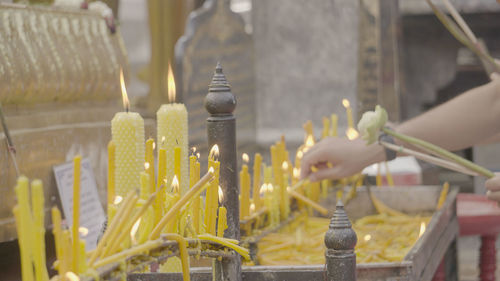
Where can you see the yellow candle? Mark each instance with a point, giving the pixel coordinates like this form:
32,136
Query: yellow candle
67,256
197,212
150,163
348,110
193,192
160,198
285,200
111,173
76,211
326,128
222,223
192,170
23,240
388,175
276,164
127,130
212,192
308,201
82,266
335,121
37,199
144,185
56,230
378,177
183,253
245,192
195,207
172,122
257,162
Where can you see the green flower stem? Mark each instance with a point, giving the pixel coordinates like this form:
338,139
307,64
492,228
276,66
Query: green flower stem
441,152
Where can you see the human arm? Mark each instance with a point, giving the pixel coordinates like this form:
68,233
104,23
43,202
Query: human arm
459,123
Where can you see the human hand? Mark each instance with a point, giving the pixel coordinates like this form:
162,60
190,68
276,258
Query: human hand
336,158
493,186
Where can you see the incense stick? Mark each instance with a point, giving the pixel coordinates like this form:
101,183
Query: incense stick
10,145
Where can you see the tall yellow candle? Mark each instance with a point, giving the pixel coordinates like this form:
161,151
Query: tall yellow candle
245,190
222,222
37,200
177,165
57,231
285,200
127,130
150,165
257,162
335,121
111,173
82,266
25,250
326,128
76,212
348,110
144,186
159,207
212,192
197,203
172,122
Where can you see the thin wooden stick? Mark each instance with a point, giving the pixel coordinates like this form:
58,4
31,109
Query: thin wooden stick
10,145
431,159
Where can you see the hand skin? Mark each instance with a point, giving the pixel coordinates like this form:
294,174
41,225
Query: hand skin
493,186
466,120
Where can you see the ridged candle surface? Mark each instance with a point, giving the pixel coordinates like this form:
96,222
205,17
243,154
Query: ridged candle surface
172,122
127,130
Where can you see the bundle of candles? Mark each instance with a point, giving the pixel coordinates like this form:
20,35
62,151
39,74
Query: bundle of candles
167,206
384,237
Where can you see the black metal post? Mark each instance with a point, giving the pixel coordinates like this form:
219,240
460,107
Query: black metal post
221,129
340,240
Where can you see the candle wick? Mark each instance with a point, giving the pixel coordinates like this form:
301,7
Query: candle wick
177,142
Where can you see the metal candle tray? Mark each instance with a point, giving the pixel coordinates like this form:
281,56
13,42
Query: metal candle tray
421,262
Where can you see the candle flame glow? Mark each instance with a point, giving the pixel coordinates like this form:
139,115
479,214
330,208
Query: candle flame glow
146,165
134,229
214,153
221,194
346,103
352,134
270,187
72,276
367,237
300,154
126,103
175,184
198,155
296,172
309,141
252,208
117,200
171,84
422,229
83,231
211,170
284,166
263,188
163,140
245,157
154,145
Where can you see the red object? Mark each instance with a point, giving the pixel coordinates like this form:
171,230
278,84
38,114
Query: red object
477,215
440,275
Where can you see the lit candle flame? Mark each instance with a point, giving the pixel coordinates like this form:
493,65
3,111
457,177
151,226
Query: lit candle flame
263,188
171,84
245,157
214,153
367,237
346,103
284,166
126,103
72,276
146,165
309,141
83,231
270,187
134,229
296,172
198,155
163,140
300,154
252,208
175,185
117,200
221,195
211,170
352,134
422,229
154,145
